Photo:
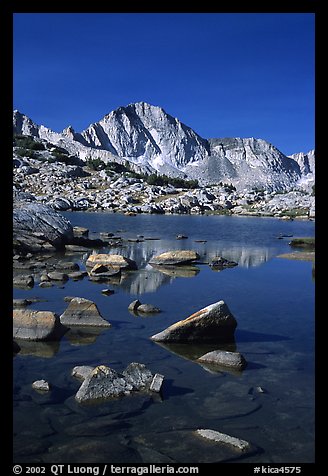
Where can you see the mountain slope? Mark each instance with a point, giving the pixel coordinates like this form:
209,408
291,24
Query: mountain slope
152,140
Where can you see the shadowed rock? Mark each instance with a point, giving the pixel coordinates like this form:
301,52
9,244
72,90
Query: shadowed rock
214,323
104,271
37,226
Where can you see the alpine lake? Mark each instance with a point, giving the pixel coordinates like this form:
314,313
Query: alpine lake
270,404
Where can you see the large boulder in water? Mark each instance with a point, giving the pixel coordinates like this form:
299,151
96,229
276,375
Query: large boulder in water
111,260
83,312
37,226
176,257
37,325
214,323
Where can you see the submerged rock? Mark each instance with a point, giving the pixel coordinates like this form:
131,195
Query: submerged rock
214,323
41,386
236,443
36,325
83,312
224,358
104,382
175,257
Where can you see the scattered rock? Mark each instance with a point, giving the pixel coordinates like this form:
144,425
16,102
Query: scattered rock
148,309
224,358
107,292
104,382
21,302
106,235
75,275
41,386
23,281
136,307
237,443
260,390
175,257
308,243
45,284
214,323
37,325
67,265
80,231
133,306
114,261
83,312
221,263
77,243
57,276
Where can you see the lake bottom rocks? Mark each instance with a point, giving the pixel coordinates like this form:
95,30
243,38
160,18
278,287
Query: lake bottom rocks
223,358
104,382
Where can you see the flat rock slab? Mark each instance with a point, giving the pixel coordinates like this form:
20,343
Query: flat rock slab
186,446
214,323
104,382
111,260
224,358
36,325
83,312
222,438
175,257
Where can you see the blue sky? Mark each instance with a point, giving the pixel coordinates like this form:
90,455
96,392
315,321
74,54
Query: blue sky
224,75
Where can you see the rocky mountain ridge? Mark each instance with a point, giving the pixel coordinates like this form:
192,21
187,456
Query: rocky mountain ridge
152,141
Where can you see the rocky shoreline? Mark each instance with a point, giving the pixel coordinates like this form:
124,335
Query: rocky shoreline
78,187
